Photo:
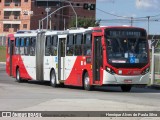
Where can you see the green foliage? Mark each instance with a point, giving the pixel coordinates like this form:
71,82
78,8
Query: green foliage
84,22
157,82
2,54
158,44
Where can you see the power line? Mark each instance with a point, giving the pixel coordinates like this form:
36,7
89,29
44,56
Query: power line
112,13
129,17
127,20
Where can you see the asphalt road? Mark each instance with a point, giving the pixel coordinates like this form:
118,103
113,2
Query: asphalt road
36,96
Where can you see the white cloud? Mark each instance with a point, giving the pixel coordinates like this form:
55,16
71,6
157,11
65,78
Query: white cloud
148,4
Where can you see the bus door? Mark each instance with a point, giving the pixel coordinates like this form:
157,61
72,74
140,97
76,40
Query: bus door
61,57
11,49
97,57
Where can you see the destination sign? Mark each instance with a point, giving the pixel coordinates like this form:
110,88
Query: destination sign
125,33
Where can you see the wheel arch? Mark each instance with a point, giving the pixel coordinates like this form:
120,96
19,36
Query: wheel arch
17,67
83,74
52,69
18,74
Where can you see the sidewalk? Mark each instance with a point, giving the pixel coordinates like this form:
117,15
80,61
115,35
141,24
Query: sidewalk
2,66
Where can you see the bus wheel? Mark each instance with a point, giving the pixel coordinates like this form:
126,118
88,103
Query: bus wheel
86,85
126,88
53,79
18,78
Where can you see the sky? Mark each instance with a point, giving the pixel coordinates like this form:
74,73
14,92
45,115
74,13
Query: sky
130,12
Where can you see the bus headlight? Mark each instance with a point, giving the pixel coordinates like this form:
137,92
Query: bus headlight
145,71
110,70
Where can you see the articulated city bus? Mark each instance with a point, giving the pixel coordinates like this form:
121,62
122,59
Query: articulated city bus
100,56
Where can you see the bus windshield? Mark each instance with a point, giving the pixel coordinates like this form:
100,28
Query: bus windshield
127,48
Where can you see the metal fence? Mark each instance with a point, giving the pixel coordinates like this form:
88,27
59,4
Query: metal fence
155,65
155,62
2,40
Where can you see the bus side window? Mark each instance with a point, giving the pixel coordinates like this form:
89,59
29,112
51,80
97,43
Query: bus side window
27,45
70,45
54,45
22,46
78,44
17,45
32,46
48,46
87,45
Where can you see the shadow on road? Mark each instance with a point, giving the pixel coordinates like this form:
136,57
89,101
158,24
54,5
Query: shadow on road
4,78
100,89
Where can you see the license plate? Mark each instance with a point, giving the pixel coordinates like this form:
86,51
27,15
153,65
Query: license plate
127,81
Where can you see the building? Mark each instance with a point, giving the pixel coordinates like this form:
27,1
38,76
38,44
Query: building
25,14
11,17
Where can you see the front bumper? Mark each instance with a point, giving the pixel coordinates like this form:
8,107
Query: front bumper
109,79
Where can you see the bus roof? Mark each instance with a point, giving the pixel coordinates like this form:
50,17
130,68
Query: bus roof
26,31
123,26
52,32
25,35
81,30
65,32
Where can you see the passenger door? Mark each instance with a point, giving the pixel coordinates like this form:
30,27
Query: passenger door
97,57
61,57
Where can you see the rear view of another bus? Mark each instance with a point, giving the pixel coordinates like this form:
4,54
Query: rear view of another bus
9,54
19,54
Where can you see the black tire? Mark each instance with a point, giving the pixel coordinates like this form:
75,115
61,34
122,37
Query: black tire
18,77
86,82
61,85
126,88
53,79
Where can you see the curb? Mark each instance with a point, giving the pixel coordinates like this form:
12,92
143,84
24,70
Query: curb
2,62
155,86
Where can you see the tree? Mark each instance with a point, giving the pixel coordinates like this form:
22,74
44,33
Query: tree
84,22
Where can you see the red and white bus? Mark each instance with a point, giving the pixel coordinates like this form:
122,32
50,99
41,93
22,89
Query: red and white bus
100,56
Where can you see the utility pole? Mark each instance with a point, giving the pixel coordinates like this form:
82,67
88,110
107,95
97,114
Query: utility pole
64,23
50,22
131,21
73,11
152,63
148,23
47,10
70,5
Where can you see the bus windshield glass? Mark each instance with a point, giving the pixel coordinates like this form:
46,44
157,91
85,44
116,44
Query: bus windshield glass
127,47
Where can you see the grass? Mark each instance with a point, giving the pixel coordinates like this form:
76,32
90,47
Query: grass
157,82
2,53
